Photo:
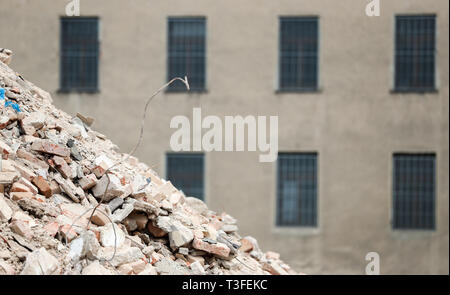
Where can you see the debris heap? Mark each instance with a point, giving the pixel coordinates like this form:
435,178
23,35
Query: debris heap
52,176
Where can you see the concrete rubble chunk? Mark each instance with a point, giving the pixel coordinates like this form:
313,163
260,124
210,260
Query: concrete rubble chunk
48,147
40,262
88,181
248,244
115,203
86,120
5,211
22,153
274,268
22,228
26,172
219,249
86,245
8,177
3,121
69,188
197,205
35,119
149,270
35,207
6,150
6,268
41,93
197,268
120,214
164,223
102,163
115,188
166,266
123,255
179,235
95,268
6,56
110,236
229,228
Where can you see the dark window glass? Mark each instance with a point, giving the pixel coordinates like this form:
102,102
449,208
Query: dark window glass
297,189
298,53
414,191
79,54
415,53
187,52
186,172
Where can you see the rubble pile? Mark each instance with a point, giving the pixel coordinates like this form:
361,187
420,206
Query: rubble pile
52,176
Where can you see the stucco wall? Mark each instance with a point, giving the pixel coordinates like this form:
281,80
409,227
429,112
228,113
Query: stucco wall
353,122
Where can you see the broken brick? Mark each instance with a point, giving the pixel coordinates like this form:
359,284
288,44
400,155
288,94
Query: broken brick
88,181
22,153
217,248
246,245
43,186
33,189
62,167
100,216
26,172
48,147
19,187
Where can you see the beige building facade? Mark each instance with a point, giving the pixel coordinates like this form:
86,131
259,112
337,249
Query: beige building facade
355,122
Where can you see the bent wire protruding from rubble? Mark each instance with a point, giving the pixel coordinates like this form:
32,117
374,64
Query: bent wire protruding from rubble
141,136
55,169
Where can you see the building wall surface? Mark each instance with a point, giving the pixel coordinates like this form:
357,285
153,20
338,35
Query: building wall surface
354,122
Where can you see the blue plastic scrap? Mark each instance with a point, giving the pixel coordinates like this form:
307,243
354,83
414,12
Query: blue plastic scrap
9,103
14,105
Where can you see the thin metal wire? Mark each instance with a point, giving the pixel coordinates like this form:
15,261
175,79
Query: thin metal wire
141,135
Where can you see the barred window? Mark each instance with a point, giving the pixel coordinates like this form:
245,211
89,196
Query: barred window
414,191
415,53
79,54
187,50
297,189
186,172
298,53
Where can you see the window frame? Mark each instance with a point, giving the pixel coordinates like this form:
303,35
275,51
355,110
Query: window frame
77,89
301,89
278,219
188,154
203,88
394,216
409,89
